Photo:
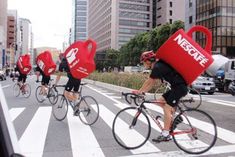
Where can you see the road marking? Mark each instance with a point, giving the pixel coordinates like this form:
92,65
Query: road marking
108,117
5,86
213,151
221,102
33,140
15,112
82,139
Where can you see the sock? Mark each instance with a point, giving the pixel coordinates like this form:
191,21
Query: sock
165,133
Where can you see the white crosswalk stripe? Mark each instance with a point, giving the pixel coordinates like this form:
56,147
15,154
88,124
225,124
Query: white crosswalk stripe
85,143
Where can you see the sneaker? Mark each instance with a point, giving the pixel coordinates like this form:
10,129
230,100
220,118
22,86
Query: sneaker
76,110
178,121
162,138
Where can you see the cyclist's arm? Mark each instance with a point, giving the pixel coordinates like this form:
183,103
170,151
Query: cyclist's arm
147,86
58,77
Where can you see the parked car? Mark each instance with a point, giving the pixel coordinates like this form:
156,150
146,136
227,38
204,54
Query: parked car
204,85
2,75
14,74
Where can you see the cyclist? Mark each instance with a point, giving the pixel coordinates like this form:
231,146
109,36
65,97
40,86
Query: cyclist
72,85
163,71
21,78
44,82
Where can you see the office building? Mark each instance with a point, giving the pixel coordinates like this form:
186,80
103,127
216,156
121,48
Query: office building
219,17
190,14
114,23
169,11
3,30
79,20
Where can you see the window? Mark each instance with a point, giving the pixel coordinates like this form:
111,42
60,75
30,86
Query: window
171,4
170,20
190,19
190,3
170,12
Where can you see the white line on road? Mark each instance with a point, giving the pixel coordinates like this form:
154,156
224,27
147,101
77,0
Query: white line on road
83,141
221,102
108,117
33,140
6,86
15,112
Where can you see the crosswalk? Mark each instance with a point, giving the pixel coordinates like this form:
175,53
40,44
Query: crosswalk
86,140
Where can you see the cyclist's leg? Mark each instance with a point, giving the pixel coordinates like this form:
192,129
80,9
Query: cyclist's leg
68,88
76,85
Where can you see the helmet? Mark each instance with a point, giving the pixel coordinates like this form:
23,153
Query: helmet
147,55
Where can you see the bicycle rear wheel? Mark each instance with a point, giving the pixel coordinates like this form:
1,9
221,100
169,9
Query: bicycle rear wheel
60,108
88,110
39,94
52,96
195,136
192,100
131,128
27,90
16,90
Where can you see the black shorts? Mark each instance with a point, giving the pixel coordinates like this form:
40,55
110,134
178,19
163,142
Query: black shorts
22,78
173,96
45,79
72,84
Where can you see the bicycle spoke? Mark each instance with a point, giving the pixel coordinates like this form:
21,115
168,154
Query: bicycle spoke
60,108
88,110
190,138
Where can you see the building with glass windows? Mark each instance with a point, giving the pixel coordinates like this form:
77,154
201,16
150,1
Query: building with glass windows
190,14
113,23
219,17
79,20
168,11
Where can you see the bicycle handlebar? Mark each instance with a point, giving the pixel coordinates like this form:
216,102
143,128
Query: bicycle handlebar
135,97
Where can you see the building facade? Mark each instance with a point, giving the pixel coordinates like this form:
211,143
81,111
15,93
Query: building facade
79,27
114,23
3,30
190,14
219,17
169,11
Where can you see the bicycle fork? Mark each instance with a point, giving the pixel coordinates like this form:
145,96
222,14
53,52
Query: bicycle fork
133,123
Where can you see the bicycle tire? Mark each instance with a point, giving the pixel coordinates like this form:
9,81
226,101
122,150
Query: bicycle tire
27,90
201,139
39,95
52,96
16,90
60,108
192,100
128,136
88,110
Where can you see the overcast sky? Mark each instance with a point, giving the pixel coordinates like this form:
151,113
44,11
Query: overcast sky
51,19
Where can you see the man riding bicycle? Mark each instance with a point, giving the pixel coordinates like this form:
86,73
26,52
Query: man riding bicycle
72,85
163,71
44,82
21,78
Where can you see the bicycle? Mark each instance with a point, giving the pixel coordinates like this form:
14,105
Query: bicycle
193,99
51,93
24,89
185,133
87,109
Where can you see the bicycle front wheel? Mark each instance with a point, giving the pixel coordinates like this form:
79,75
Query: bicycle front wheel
52,96
27,90
39,94
192,100
16,90
131,128
194,136
60,108
88,110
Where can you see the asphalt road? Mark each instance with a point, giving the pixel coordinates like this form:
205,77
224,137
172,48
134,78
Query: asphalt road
39,134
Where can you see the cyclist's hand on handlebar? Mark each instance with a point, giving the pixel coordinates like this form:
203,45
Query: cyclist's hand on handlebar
37,81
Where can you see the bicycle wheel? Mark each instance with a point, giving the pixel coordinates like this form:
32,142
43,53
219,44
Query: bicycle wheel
134,130
39,94
52,96
16,90
60,108
88,110
27,90
192,100
194,136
